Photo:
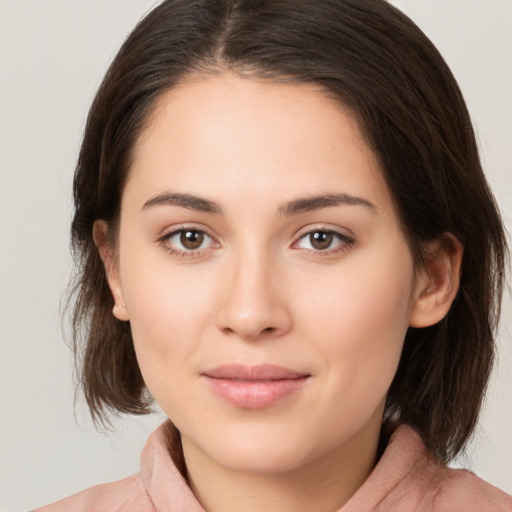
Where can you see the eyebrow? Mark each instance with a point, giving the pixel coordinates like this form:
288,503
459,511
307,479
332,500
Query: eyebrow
306,204
294,207
188,201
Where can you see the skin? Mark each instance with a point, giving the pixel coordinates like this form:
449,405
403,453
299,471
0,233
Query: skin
260,290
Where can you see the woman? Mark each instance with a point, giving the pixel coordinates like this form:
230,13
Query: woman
274,243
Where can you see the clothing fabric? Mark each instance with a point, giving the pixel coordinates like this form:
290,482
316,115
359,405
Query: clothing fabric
405,479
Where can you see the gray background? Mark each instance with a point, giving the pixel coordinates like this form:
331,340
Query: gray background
53,54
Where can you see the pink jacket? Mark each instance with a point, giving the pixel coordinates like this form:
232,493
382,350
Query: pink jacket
405,479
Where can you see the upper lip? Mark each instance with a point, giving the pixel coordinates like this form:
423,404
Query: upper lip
261,372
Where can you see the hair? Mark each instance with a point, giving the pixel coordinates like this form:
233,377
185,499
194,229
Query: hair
377,63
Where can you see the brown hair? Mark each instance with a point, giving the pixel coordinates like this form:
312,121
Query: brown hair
372,59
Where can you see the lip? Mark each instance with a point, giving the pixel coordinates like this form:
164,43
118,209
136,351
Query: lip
254,387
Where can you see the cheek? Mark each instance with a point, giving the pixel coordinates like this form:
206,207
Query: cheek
359,318
168,309
161,296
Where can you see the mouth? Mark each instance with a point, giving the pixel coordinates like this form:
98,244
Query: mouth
254,387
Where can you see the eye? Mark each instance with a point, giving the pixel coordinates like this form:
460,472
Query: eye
186,241
324,240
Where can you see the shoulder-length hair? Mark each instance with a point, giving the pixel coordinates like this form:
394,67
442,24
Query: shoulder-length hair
374,61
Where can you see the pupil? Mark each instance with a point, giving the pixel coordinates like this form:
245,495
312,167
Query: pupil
191,239
321,240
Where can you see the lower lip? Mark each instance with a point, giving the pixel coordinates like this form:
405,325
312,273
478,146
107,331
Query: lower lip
255,394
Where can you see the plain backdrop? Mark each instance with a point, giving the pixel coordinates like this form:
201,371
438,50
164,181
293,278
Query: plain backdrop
53,54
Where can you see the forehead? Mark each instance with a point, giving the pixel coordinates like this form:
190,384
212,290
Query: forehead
235,136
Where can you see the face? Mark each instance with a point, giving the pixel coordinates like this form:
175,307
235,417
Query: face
264,273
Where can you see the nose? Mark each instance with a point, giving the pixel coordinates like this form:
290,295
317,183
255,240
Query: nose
253,303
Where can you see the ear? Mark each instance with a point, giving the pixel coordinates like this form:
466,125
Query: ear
438,283
108,257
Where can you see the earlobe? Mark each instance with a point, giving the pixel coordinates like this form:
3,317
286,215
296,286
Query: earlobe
120,313
438,284
107,255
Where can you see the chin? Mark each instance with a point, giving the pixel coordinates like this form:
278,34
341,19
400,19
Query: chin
265,458
264,449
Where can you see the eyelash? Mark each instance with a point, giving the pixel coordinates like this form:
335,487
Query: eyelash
345,243
182,253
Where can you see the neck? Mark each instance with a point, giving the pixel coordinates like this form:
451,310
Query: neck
324,484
